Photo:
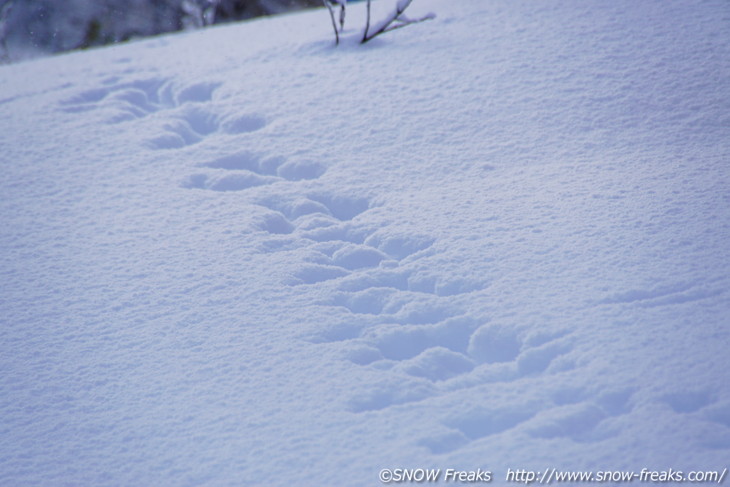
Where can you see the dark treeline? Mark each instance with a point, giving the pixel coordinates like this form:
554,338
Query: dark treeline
29,27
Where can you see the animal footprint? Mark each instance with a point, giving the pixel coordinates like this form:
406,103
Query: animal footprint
701,404
229,182
399,246
353,256
318,273
139,98
402,320
438,364
711,416
245,169
477,423
337,207
190,127
496,343
193,123
582,418
433,352
316,224
189,122
371,302
687,402
405,279
576,421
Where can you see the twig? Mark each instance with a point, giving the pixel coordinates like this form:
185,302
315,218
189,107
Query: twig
343,5
404,23
385,26
334,23
367,25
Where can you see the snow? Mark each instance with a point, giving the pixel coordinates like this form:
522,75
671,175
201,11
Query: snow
496,240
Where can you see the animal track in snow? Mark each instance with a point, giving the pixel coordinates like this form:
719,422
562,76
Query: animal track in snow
139,98
403,317
405,321
584,419
313,274
326,221
701,405
575,414
187,128
456,352
406,279
337,207
396,343
477,423
191,124
460,343
323,223
246,169
686,402
190,119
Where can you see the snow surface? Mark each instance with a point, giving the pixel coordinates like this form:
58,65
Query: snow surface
498,239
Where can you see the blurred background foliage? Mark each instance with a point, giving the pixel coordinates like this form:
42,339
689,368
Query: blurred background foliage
29,28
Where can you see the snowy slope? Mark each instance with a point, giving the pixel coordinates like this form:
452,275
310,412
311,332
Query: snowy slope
494,240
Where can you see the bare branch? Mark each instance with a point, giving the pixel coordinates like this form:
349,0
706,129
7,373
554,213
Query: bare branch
343,5
405,22
367,25
386,25
334,23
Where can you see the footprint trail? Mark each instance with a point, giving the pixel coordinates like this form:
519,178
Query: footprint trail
405,321
183,112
